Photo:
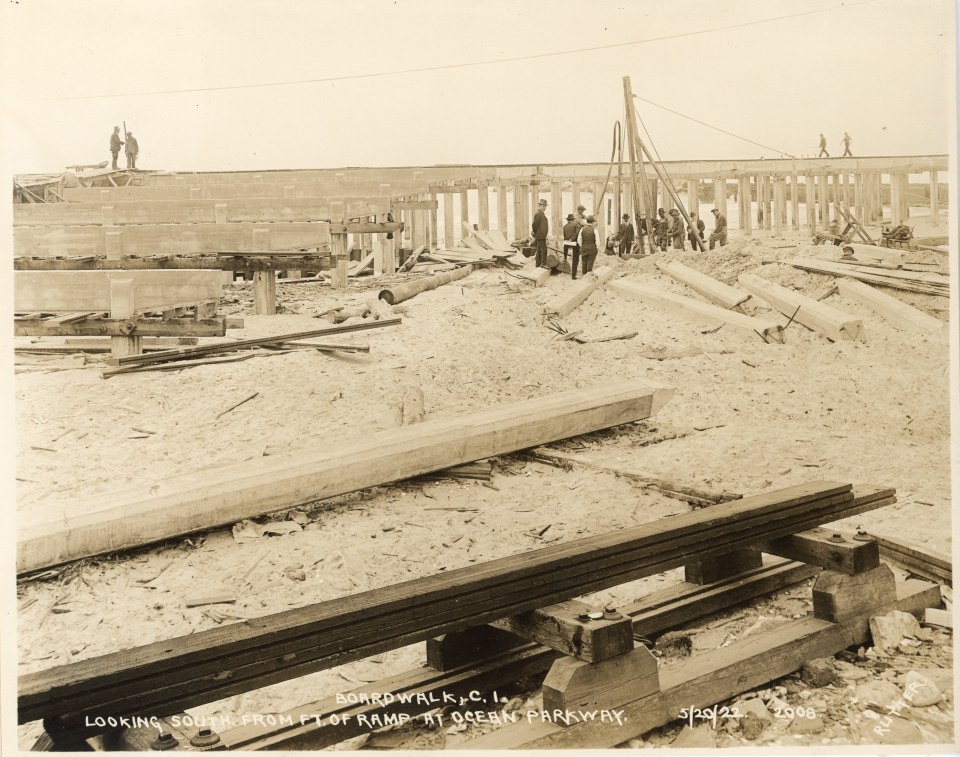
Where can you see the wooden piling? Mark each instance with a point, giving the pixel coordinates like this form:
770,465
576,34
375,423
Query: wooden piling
778,202
794,202
519,227
502,209
448,220
810,197
483,201
934,198
464,210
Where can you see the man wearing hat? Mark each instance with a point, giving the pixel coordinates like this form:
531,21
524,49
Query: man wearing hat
115,143
695,231
589,244
132,150
675,229
719,233
627,235
571,230
539,230
581,216
660,225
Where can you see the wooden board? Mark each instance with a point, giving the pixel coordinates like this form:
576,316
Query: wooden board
716,291
578,292
699,311
124,212
210,665
832,323
143,514
928,283
897,312
168,239
57,291
711,677
538,276
929,564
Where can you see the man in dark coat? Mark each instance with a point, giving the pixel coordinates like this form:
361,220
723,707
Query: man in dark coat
115,144
589,242
627,235
695,223
571,229
132,150
539,230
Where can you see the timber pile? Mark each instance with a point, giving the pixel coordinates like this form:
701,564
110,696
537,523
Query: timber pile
59,532
890,308
402,292
716,291
912,281
176,674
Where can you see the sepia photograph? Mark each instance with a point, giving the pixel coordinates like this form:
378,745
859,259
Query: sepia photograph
520,375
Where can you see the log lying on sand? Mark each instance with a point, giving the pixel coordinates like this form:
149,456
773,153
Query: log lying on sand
403,292
899,313
722,294
577,293
155,510
832,323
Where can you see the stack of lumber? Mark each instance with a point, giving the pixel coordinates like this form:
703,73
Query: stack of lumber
495,241
911,281
68,530
175,674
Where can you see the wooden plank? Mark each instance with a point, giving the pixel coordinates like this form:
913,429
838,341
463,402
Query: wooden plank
710,678
651,615
192,502
212,664
929,564
578,292
538,276
699,311
170,239
891,309
824,319
123,327
716,291
52,291
892,279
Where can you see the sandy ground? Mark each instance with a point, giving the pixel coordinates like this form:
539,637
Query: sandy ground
746,416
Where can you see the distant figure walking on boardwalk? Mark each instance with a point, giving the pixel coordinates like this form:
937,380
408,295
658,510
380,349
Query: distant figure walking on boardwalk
719,233
846,145
115,143
823,147
589,244
132,150
539,230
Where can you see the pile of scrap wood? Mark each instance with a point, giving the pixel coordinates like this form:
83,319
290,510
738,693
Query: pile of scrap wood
187,357
926,282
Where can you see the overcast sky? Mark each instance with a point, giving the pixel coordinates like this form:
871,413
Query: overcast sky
880,69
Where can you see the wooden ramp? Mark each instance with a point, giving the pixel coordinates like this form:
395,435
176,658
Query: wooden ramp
63,531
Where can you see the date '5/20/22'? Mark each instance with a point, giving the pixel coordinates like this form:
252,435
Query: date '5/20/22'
715,714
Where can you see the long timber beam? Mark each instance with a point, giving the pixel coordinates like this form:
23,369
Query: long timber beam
248,191
238,263
176,674
143,514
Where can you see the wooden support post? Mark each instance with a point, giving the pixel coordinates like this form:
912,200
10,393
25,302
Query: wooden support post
575,685
824,198
693,196
840,596
341,259
934,198
602,218
846,191
905,196
483,200
122,293
794,202
378,262
779,205
768,210
434,230
565,628
534,201
896,199
448,220
464,211
556,224
882,193
720,195
502,224
520,229
746,206
858,196
837,197
707,570
575,190
810,202
265,292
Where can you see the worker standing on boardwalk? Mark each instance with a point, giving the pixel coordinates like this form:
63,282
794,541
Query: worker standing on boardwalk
627,235
115,143
132,150
846,145
719,233
571,230
539,229
589,244
823,147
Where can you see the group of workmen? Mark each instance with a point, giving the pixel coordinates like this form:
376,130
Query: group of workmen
581,240
132,148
